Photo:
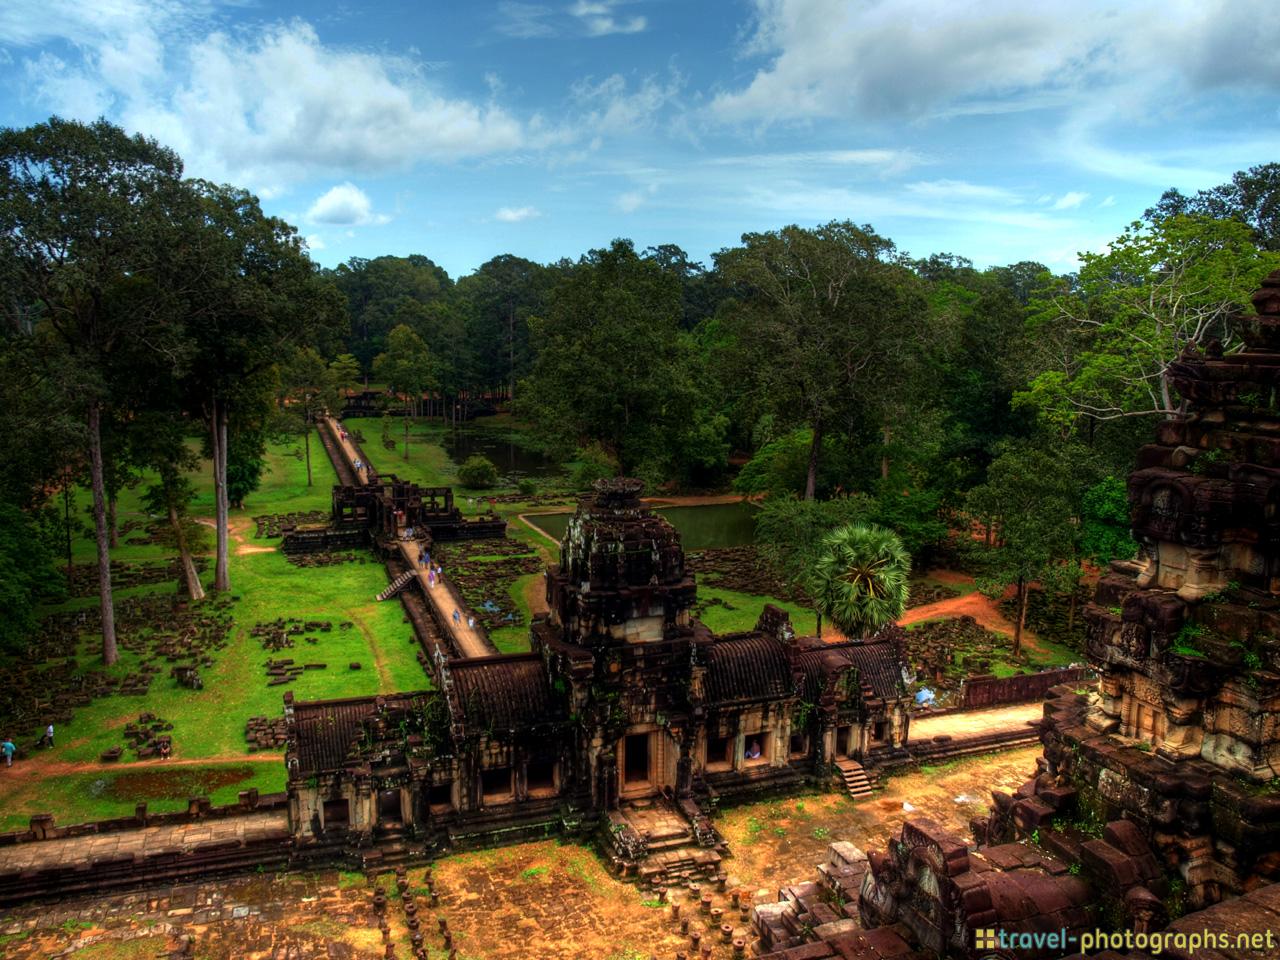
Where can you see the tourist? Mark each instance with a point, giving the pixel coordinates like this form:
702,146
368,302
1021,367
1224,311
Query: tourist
753,750
431,579
9,748
48,736
164,749
457,617
471,621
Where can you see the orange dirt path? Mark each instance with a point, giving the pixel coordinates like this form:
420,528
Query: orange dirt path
35,767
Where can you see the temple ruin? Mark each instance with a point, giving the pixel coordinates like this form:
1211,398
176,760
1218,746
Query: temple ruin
627,717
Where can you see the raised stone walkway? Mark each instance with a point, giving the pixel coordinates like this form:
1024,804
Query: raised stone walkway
974,723
471,641
143,842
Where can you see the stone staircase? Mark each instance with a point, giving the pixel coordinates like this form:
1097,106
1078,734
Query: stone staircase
396,585
855,778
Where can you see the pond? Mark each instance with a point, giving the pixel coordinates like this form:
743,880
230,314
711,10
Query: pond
701,527
512,460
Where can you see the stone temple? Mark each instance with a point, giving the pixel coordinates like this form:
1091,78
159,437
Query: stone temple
628,716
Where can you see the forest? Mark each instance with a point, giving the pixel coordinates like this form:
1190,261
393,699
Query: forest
155,323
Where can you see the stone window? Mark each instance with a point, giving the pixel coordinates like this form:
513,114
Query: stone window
541,778
799,746
337,813
496,786
756,748
719,754
440,797
879,731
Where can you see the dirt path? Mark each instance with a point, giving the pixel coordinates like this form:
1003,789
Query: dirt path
237,530
34,767
976,605
973,722
379,657
535,595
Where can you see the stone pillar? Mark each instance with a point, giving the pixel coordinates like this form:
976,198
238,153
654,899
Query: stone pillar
684,766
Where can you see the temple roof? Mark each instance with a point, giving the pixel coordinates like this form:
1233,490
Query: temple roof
324,731
748,666
878,664
502,694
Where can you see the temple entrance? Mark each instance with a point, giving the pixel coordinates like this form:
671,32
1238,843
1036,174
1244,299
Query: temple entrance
636,758
390,813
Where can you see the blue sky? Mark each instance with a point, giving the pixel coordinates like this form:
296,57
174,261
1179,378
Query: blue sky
999,130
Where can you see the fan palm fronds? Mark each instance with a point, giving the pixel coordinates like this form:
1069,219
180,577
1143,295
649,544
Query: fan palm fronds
859,578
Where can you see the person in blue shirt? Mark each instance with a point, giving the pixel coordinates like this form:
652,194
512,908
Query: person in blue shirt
9,748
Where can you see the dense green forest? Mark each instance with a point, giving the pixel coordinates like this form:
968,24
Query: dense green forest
821,368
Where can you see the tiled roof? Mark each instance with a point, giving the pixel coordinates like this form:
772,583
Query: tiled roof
324,731
877,665
503,694
749,666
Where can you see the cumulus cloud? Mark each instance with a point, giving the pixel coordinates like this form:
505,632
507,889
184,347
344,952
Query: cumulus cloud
599,18
345,205
314,241
913,58
959,190
265,108
516,214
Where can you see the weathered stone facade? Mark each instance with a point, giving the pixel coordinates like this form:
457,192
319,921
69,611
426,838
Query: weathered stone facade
628,714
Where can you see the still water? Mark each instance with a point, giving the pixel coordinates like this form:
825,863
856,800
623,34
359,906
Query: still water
701,527
513,461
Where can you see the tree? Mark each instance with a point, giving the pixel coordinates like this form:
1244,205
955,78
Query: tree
86,236
859,579
1252,197
1029,497
27,577
499,298
406,368
610,366
1104,522
822,320
253,294
1110,336
308,386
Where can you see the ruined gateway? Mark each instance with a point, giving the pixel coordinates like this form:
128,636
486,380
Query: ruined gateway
628,717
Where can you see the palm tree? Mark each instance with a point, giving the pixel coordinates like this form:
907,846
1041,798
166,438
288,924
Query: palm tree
859,578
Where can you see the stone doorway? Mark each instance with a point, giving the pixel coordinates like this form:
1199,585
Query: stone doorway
637,762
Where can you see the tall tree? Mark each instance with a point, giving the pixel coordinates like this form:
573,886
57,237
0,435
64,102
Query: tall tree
1108,336
253,295
1030,498
821,321
308,386
86,231
1252,197
406,368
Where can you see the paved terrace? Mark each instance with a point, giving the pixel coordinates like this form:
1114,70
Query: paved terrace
143,842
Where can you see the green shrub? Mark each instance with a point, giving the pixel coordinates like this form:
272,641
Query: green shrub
594,463
527,486
477,472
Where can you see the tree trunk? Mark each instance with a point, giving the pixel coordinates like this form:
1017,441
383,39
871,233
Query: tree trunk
189,573
113,531
1071,608
406,428
1022,618
106,607
222,574
66,516
819,613
811,479
306,444
885,434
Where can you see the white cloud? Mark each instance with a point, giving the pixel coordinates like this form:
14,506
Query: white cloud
265,108
314,242
1070,200
633,200
597,17
523,21
516,214
1108,201
960,190
612,107
887,161
345,205
916,58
